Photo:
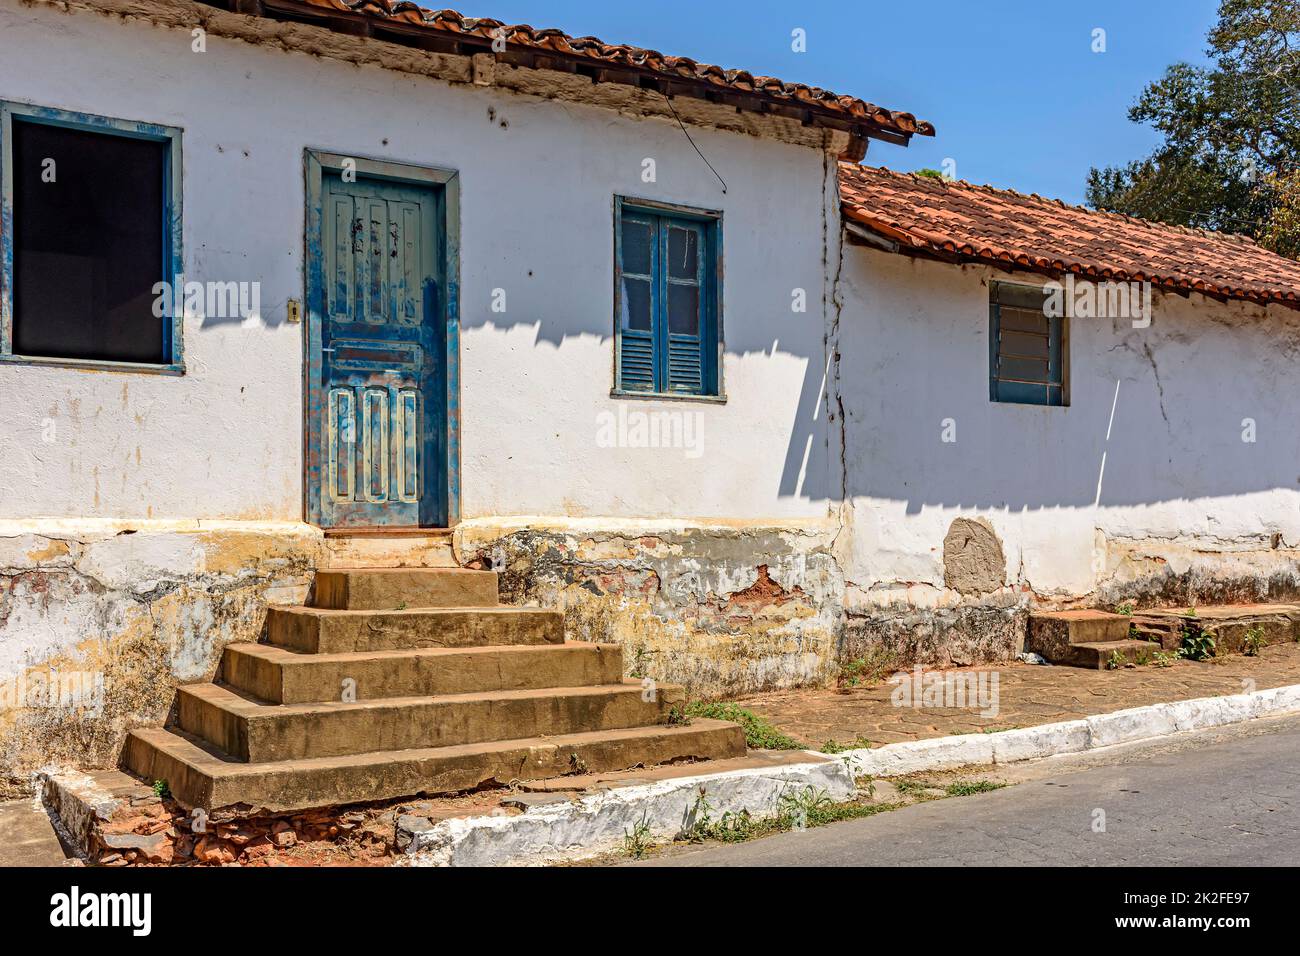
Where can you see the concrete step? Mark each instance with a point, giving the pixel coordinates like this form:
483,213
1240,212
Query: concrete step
1097,655
1227,623
351,548
386,589
257,732
282,676
319,631
198,775
1053,633
29,837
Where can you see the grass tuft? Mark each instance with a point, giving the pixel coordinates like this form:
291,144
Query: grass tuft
965,788
759,732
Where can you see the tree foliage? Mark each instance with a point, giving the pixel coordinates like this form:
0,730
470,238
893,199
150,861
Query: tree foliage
1230,152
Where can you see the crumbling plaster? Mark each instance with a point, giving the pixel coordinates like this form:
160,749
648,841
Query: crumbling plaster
1159,502
163,515
724,608
116,618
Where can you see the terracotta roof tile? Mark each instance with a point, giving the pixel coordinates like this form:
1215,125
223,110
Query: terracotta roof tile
593,51
932,217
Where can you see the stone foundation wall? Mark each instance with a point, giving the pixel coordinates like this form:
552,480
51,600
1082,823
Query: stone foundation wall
99,623
724,609
1186,572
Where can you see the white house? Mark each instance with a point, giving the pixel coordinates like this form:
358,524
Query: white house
1160,469
291,284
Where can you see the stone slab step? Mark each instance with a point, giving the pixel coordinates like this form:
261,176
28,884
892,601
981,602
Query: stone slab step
1227,623
386,589
319,631
1053,633
258,732
282,676
1097,655
29,837
385,549
198,775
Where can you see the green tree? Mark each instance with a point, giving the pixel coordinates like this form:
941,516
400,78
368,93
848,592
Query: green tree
1230,152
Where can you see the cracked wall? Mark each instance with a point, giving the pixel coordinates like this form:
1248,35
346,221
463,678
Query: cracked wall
1162,503
536,361
98,626
725,608
86,455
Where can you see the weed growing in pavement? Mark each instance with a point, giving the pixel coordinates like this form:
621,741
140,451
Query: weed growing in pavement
965,788
871,669
1198,644
796,810
1253,642
759,732
832,747
161,790
636,842
914,788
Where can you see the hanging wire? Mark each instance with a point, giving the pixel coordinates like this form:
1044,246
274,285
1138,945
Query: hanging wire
692,142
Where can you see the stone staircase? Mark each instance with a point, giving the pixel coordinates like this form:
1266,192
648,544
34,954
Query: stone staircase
401,682
1228,624
1083,638
1089,638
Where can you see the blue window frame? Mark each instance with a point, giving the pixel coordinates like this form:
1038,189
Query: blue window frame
1027,347
667,282
90,224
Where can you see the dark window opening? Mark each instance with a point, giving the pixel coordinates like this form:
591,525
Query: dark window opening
89,244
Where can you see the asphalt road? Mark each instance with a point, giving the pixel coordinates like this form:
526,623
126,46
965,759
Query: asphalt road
1227,797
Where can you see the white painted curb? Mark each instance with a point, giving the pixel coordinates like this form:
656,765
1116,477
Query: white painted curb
598,822
1072,736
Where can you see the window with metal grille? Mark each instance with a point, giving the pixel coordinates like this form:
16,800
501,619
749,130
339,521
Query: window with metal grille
1027,347
666,300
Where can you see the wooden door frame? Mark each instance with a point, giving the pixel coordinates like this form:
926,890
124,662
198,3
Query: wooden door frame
316,163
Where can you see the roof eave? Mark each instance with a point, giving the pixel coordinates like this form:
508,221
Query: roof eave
408,34
901,242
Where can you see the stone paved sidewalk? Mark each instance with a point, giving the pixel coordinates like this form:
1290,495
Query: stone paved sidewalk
1028,695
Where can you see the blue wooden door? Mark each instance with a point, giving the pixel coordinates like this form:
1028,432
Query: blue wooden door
382,434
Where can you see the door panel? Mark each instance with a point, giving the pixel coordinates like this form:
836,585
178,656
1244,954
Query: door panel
382,356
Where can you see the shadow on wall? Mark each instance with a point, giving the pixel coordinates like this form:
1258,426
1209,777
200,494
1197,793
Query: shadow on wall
1198,405
806,471
1194,406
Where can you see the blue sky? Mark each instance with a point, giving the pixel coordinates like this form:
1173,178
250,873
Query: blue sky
1013,87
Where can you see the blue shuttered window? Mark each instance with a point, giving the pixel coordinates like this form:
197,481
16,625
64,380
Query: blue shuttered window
666,300
1027,347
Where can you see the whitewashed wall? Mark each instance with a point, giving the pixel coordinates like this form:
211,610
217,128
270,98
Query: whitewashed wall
1180,486
537,179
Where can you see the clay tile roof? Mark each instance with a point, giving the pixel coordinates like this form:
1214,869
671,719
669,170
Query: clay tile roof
852,114
956,220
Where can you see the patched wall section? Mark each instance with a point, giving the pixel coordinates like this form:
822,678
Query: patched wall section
723,609
959,608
